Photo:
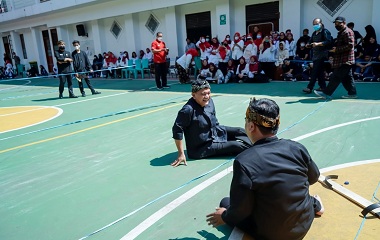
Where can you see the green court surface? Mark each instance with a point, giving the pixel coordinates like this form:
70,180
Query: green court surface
101,169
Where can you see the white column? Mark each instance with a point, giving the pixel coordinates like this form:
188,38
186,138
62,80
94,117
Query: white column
290,17
170,33
96,35
16,43
375,15
36,53
222,8
130,28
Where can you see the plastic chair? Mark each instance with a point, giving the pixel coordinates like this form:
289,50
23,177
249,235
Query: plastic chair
130,69
145,67
198,66
138,67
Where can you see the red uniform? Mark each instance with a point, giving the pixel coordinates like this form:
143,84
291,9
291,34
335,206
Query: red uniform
158,57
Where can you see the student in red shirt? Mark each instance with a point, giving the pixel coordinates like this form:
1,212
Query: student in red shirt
159,58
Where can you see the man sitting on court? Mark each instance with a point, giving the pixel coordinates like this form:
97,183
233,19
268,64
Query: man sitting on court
203,134
269,194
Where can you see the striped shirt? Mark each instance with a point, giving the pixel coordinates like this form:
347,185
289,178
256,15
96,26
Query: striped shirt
344,52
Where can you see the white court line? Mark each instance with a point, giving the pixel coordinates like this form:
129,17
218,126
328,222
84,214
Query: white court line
60,111
11,80
25,111
195,190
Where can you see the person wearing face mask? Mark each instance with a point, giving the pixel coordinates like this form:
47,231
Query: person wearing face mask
82,65
320,42
237,46
205,48
64,68
304,38
159,58
344,58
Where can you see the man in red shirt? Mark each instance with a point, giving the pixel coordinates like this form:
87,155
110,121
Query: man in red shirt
159,58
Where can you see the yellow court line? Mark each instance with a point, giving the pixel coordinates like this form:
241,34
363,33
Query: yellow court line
86,129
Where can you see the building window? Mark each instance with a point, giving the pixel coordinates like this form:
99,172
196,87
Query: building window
3,6
23,46
332,6
116,29
152,24
198,24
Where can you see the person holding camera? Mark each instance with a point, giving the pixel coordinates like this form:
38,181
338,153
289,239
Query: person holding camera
159,58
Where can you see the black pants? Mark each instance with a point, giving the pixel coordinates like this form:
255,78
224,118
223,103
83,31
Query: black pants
246,225
317,72
237,142
62,81
87,80
268,68
160,73
343,75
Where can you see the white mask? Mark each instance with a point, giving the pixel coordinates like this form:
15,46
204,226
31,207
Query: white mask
207,39
203,40
159,38
236,38
258,37
302,44
228,39
77,47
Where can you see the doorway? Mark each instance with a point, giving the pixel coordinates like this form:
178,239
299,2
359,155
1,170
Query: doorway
265,15
197,25
49,52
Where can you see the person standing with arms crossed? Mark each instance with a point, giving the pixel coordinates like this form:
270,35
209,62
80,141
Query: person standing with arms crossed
344,58
64,68
159,58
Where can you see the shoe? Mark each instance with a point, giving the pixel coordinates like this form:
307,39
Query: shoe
322,95
307,90
241,81
320,89
159,88
367,79
60,96
96,92
220,81
83,95
73,96
350,96
165,86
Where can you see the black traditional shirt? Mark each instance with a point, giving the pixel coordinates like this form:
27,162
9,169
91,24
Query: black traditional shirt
200,126
270,189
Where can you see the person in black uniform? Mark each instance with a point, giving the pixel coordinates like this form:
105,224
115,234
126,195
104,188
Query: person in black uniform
269,194
204,136
64,67
82,64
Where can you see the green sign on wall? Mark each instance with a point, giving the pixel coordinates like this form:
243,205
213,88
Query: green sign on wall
223,19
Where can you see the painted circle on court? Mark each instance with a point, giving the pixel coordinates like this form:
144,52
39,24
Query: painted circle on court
14,118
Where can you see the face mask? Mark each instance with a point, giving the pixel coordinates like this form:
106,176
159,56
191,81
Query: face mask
236,38
159,38
207,39
258,37
228,39
316,27
61,47
203,40
339,27
302,45
77,47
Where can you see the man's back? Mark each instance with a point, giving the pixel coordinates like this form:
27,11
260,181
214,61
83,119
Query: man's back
279,172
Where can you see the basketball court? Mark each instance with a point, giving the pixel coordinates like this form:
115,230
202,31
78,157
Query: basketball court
98,167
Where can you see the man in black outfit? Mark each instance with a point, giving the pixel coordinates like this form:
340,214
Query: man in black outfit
269,194
203,134
82,65
320,42
64,67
